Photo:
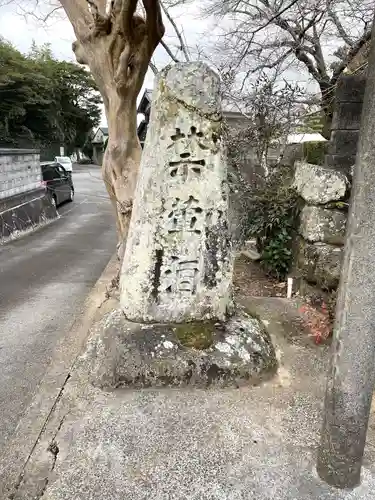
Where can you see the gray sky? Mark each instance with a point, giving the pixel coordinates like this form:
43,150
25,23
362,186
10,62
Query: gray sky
21,30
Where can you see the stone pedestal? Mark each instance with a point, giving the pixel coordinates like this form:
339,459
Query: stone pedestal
178,260
176,277
233,353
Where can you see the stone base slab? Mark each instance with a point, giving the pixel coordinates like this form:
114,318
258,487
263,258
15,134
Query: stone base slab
124,354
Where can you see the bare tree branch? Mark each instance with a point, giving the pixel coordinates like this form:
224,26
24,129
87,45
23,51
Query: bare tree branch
259,35
51,13
154,22
153,67
336,21
127,12
168,51
183,46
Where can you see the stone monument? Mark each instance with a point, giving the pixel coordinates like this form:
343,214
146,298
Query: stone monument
178,260
177,325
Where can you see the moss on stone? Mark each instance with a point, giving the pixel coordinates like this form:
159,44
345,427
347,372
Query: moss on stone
198,335
338,205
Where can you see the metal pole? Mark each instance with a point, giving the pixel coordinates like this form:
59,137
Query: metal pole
351,376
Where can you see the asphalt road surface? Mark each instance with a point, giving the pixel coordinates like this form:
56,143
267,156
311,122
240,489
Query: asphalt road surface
45,277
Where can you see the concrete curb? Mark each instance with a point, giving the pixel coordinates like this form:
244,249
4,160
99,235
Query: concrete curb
31,426
25,214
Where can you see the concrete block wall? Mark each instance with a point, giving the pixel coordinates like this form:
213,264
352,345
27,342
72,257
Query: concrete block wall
19,171
349,94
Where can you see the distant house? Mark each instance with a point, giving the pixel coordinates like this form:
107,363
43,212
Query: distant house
98,142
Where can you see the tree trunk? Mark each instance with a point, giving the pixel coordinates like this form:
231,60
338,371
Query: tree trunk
121,161
117,45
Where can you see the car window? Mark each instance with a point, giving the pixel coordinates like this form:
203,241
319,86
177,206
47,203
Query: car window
53,172
61,170
48,173
63,159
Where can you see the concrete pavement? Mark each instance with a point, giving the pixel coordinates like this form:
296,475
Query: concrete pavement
255,443
45,277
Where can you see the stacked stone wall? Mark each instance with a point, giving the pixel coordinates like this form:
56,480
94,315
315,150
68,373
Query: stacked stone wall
325,191
320,243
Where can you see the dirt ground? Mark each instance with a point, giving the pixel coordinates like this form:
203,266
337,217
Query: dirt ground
250,280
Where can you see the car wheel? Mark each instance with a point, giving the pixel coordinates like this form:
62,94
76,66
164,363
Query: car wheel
71,194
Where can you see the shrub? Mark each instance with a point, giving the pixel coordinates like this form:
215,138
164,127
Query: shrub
273,222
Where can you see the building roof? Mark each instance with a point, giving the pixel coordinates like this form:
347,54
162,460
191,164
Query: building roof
145,101
104,130
303,137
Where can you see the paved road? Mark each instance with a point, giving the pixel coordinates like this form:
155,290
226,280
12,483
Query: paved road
45,277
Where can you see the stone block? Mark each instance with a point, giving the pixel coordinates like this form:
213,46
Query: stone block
200,354
347,116
343,142
179,258
341,163
319,185
321,225
350,88
319,263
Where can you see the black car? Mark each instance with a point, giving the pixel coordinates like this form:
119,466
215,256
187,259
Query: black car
58,182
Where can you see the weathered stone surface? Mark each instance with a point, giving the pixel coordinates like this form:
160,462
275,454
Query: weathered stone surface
343,142
350,88
125,354
347,116
339,162
249,249
319,185
178,261
320,225
320,263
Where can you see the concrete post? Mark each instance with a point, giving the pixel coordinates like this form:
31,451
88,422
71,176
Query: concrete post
351,377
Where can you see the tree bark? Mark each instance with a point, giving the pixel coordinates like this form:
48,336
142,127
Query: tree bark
117,44
121,161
